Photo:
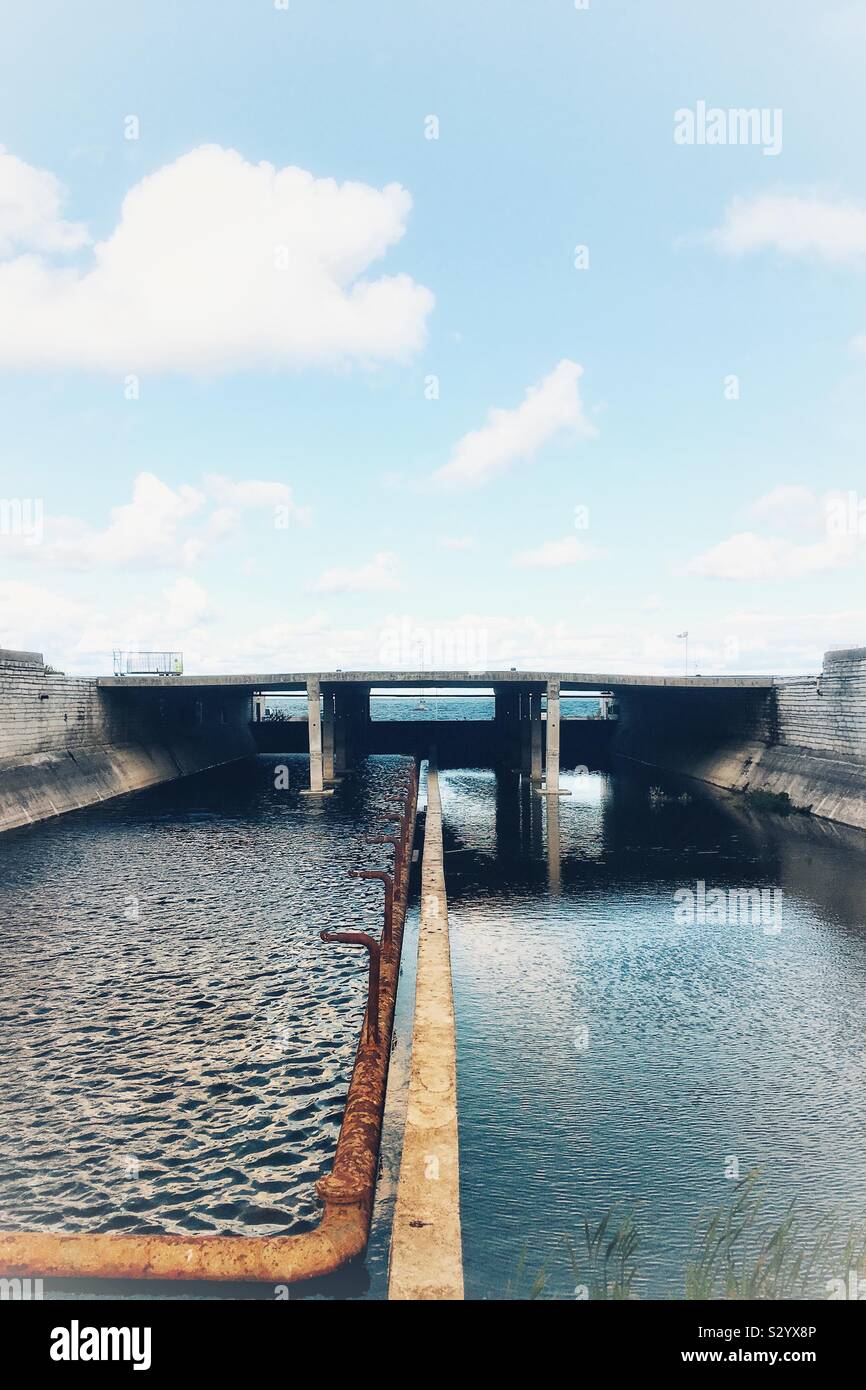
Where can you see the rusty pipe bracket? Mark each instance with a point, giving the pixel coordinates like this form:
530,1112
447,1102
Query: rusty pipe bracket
396,841
386,878
361,938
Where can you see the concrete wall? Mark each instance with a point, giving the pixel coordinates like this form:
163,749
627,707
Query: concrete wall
806,738
64,743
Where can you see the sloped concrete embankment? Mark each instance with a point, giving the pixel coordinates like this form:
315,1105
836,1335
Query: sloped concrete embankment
806,737
66,744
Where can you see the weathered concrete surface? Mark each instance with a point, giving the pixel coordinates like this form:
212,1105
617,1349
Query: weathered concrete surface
805,737
66,744
569,680
426,1248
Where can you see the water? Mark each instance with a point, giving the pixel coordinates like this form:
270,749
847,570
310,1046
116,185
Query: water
177,1039
185,1069
609,1057
419,706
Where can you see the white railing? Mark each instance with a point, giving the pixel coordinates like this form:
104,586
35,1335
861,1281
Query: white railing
148,663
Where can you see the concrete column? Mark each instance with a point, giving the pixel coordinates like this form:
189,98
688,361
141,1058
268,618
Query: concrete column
551,786
328,740
524,713
259,706
535,736
314,726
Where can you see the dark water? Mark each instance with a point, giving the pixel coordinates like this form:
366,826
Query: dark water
177,1040
608,1054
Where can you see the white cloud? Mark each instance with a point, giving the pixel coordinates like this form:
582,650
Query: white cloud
377,575
748,556
160,526
796,226
552,554
552,406
216,264
30,203
253,494
788,506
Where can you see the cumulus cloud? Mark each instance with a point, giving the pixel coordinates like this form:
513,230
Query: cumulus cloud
552,554
794,225
788,506
376,575
30,204
160,526
811,535
215,264
748,556
548,409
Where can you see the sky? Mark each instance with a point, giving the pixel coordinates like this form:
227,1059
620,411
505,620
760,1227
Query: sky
447,334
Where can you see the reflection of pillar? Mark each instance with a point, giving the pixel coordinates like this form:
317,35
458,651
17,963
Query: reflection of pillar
314,727
554,846
551,787
507,816
535,725
328,734
525,746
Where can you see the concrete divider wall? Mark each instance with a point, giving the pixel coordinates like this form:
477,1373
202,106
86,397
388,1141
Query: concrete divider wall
426,1246
65,744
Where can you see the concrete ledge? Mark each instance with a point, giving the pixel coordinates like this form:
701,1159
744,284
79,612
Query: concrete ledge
426,1247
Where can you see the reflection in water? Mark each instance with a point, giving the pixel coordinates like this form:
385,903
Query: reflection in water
607,1054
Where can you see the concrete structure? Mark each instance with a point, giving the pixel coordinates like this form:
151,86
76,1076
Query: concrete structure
60,738
426,1251
66,744
805,737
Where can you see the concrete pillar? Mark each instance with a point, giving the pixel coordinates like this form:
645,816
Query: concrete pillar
551,785
535,736
314,726
328,740
259,706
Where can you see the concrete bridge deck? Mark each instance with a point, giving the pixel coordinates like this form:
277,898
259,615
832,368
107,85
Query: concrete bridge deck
298,681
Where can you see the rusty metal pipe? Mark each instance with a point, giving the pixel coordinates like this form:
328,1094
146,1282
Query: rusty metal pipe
361,938
347,1194
397,843
385,877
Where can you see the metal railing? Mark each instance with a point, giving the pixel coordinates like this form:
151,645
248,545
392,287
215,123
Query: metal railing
148,663
346,1192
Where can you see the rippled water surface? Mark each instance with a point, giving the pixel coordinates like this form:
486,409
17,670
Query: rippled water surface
177,1041
609,1055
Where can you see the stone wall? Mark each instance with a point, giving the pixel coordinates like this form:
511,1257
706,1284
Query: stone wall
65,743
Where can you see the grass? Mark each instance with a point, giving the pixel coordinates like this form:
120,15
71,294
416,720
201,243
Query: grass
737,1253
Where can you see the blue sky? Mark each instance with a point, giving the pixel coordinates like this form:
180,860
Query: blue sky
218,414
